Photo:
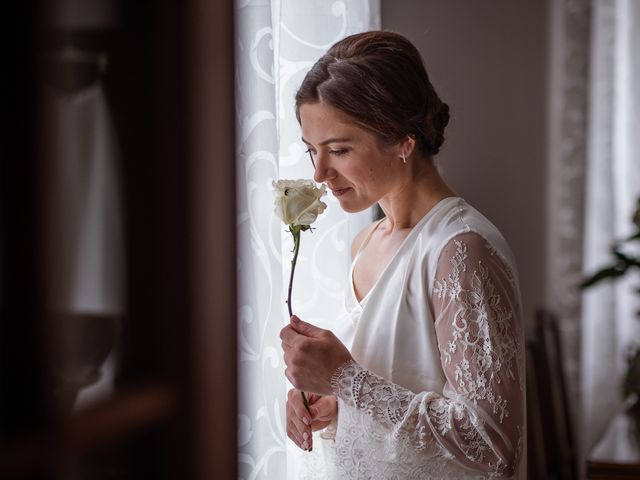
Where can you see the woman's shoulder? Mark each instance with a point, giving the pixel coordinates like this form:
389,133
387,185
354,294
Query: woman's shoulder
361,237
461,222
455,216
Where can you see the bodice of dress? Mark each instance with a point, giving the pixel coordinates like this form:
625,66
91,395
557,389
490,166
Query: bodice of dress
437,387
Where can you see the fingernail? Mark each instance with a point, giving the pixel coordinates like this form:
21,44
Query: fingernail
305,445
305,420
305,435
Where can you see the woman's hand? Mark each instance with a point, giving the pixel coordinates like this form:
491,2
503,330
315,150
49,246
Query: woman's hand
301,422
312,355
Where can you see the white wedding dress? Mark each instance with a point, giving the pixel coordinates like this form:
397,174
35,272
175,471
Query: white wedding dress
438,387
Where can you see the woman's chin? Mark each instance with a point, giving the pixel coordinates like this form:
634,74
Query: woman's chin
352,207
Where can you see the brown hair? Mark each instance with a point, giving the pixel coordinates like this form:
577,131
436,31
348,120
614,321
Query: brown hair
379,79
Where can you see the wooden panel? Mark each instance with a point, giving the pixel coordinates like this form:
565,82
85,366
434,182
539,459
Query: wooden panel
100,427
23,397
617,454
213,240
169,85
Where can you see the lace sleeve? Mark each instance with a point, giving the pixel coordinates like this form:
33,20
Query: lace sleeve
478,421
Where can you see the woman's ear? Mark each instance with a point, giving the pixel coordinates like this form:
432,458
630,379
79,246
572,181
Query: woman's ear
407,146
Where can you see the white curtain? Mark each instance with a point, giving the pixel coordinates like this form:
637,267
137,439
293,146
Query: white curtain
276,43
85,234
609,322
593,181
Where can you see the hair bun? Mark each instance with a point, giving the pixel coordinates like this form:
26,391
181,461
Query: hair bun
434,124
442,119
379,79
440,122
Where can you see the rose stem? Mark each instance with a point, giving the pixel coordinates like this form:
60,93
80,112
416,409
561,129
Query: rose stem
295,231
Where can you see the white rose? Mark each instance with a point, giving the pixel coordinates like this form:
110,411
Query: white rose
297,202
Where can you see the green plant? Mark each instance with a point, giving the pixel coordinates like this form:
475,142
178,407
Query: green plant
622,264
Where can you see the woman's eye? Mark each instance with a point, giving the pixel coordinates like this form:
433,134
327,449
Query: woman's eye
338,152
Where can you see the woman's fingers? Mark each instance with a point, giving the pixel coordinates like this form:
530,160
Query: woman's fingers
295,435
301,412
298,420
323,411
302,422
311,355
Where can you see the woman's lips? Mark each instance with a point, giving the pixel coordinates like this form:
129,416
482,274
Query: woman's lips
340,191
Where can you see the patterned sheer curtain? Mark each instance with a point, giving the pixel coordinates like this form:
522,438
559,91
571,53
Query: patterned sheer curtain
594,179
609,321
276,43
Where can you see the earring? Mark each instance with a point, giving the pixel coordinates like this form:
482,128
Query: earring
404,158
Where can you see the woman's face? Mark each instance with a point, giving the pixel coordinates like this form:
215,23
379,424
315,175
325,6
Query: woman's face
347,157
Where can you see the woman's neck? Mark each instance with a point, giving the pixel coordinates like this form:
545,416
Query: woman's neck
417,193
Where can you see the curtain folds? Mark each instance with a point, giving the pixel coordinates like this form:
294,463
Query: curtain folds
593,181
609,323
276,43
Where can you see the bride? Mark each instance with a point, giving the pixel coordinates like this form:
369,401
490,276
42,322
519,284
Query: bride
423,377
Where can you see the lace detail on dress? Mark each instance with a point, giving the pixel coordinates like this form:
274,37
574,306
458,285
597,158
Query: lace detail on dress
475,427
510,275
359,386
481,330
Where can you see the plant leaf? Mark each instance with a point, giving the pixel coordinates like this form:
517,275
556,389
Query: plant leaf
607,272
635,236
621,256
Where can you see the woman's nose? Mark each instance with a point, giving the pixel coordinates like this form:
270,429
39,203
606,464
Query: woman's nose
317,175
323,170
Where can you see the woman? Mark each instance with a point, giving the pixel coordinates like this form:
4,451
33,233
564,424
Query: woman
424,375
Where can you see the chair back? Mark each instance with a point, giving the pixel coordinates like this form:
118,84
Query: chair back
536,460
545,367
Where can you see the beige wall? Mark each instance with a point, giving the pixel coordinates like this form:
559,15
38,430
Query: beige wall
488,61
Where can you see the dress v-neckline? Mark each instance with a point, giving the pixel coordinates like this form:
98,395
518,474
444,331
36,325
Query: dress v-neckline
361,303
353,267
